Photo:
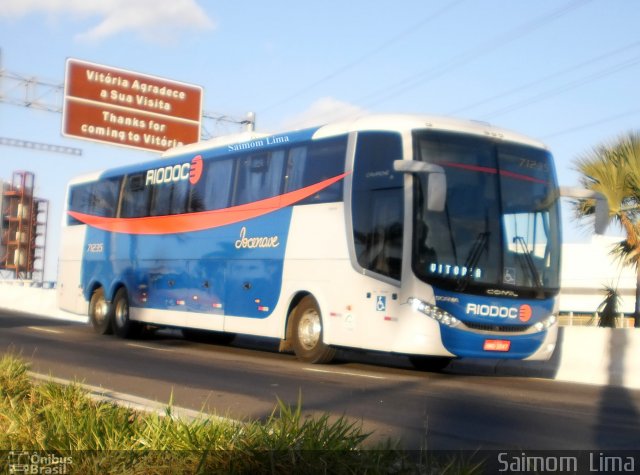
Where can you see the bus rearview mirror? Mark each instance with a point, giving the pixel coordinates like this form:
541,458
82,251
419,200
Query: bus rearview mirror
436,181
601,213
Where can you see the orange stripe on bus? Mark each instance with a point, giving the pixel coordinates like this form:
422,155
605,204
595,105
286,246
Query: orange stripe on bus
188,222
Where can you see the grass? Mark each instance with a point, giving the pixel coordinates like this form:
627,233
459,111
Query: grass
57,421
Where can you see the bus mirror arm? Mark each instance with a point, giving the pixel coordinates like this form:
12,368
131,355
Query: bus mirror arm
602,207
436,181
413,166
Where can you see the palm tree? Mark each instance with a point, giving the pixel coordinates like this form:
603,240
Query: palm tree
608,308
613,169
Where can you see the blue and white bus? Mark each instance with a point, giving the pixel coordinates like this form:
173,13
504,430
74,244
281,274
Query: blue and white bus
424,236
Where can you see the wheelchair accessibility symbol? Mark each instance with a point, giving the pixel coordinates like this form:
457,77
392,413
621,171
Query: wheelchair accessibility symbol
381,303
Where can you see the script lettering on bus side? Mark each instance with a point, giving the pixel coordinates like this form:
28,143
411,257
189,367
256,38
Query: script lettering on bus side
255,242
257,143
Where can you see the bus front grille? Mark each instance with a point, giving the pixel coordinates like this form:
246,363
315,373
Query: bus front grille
498,328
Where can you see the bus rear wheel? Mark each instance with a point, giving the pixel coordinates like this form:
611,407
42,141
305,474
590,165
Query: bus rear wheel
307,333
122,325
100,313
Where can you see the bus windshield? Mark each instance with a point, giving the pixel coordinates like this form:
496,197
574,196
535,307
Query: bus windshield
500,228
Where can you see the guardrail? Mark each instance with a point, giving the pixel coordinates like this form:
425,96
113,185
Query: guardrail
571,319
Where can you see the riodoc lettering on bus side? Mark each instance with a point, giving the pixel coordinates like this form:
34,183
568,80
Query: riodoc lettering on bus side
182,171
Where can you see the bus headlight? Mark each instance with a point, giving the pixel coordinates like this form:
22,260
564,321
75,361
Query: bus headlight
545,324
434,312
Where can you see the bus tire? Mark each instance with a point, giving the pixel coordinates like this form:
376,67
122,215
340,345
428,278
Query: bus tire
100,313
122,325
433,364
307,333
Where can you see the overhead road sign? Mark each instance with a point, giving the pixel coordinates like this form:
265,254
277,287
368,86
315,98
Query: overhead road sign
119,107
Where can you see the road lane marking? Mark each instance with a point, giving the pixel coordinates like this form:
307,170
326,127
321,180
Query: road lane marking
344,373
147,347
45,330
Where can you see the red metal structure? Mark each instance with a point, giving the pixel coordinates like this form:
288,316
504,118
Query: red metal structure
23,228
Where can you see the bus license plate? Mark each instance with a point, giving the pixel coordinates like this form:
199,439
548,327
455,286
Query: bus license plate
497,345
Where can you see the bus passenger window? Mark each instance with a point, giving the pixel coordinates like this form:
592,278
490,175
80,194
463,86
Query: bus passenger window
259,177
161,200
213,190
170,198
179,197
99,198
135,200
79,199
319,161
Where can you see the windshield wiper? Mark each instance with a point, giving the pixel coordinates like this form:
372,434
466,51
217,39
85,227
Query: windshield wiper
520,243
479,246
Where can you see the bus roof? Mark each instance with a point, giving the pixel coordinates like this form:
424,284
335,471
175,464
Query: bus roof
402,122
380,122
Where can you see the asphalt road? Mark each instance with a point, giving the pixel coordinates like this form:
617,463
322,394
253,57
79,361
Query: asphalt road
244,380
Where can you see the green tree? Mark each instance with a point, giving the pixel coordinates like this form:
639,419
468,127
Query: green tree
613,169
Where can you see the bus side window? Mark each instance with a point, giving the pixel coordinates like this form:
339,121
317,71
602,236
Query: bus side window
319,161
170,198
104,197
99,198
79,199
377,203
259,177
136,196
179,197
161,200
213,190
295,169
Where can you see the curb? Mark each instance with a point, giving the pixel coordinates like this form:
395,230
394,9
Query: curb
136,403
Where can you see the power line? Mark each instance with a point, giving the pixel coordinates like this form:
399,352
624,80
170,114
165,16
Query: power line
483,49
386,44
565,87
592,124
545,79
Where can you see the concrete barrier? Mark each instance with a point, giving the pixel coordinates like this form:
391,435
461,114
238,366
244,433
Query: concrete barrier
605,356
24,296
591,355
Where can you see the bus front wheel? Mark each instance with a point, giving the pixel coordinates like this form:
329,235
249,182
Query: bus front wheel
100,313
307,333
122,325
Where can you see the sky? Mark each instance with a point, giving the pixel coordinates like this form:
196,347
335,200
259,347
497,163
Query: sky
561,71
